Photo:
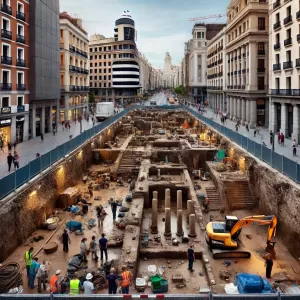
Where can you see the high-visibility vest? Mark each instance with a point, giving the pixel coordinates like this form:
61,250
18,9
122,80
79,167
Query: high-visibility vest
74,286
28,258
53,286
125,278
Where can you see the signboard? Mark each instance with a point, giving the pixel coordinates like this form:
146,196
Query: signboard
21,108
20,119
5,122
6,110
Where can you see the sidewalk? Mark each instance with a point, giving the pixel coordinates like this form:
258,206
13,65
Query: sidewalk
28,149
264,136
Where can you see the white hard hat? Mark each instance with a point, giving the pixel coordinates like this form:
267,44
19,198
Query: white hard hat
89,276
57,272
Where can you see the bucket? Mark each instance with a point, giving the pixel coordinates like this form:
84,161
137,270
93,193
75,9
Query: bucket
156,281
164,285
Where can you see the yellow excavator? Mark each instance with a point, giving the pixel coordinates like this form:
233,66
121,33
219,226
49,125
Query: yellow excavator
224,235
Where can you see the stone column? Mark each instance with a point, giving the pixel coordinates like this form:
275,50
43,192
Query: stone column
243,101
248,111
179,200
154,213
253,113
253,66
179,223
283,127
229,70
50,119
295,134
26,127
42,119
33,122
13,128
167,199
243,66
57,112
168,222
234,106
192,225
238,108
273,116
231,106
190,207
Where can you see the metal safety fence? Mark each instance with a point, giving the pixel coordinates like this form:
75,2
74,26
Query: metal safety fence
22,175
15,180
209,296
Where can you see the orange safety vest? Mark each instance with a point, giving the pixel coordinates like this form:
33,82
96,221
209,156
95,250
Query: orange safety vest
125,278
53,286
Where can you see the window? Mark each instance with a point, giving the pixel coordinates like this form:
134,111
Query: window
100,64
104,77
96,64
104,71
100,49
120,47
198,35
96,49
104,84
277,17
288,11
109,63
96,56
91,57
261,24
109,48
277,58
288,83
104,57
91,65
109,70
5,77
109,77
95,84
288,33
288,55
95,77
100,56
91,49
96,70
115,47
91,71
100,77
6,50
129,34
104,64
261,82
20,53
104,49
261,64
20,7
20,100
109,85
5,101
91,77
277,83
109,56
277,38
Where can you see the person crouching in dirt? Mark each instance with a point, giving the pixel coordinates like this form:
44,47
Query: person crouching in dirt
206,205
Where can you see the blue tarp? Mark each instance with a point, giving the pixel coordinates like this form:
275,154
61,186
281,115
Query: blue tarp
74,226
252,284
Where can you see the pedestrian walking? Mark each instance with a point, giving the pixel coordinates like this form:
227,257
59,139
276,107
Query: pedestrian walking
83,249
114,209
9,146
28,259
66,241
282,139
125,282
236,127
37,155
103,247
16,160
88,286
15,145
41,276
268,265
112,279
294,148
75,285
191,258
55,284
271,137
93,248
254,132
42,137
9,160
32,272
247,127
53,132
278,137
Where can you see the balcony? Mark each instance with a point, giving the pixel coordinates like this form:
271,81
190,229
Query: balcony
277,25
298,15
6,9
261,27
285,92
244,54
21,16
276,4
21,86
277,46
6,34
75,88
298,63
287,65
298,37
20,62
72,48
277,67
261,70
244,71
6,60
287,20
20,39
261,52
5,86
288,42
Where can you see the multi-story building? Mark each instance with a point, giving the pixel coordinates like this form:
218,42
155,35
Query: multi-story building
284,81
216,72
247,61
44,72
169,73
114,67
196,55
14,71
74,68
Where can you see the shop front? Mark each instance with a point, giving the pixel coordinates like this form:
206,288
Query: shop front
261,111
5,130
20,128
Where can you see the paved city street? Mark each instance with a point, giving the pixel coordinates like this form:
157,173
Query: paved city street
28,149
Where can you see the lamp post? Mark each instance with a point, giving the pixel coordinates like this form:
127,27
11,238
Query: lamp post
273,144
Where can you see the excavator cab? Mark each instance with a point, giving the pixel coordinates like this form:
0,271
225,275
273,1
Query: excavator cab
230,221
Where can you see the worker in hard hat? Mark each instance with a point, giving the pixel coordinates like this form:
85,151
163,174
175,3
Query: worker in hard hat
75,285
28,259
88,286
55,283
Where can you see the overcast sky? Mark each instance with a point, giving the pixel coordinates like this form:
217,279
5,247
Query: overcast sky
162,25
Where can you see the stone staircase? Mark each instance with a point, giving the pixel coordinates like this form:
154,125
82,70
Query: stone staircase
238,194
129,164
214,198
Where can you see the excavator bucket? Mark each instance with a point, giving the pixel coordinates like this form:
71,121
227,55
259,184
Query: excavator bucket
220,254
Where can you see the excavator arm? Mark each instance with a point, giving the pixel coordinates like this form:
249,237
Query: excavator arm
256,220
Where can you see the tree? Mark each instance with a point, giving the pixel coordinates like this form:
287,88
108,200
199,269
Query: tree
180,90
91,97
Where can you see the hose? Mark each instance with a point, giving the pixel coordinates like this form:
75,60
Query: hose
10,277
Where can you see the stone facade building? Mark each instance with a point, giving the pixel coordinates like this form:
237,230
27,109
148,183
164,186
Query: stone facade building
247,61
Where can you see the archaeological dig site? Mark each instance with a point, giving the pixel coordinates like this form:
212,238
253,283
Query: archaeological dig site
158,202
